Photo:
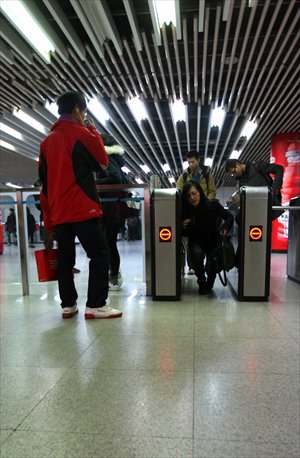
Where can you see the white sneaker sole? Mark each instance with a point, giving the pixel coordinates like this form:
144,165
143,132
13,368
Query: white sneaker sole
91,316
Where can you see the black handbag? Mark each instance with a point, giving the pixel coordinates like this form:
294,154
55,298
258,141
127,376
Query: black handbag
224,258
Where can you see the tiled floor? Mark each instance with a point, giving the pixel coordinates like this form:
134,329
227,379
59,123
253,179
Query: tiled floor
204,377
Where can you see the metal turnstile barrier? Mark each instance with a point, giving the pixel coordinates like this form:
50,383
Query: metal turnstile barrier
251,280
165,244
293,255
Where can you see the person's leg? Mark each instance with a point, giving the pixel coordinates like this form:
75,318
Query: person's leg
114,256
211,274
198,256
66,260
92,238
8,238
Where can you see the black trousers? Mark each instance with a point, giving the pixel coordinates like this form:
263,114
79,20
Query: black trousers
91,235
198,254
113,252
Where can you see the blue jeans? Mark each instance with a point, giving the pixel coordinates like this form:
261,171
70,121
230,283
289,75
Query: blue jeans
91,235
198,254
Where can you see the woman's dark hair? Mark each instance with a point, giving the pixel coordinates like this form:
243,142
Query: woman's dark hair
68,101
184,195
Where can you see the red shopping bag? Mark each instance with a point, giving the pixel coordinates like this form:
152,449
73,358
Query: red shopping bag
46,262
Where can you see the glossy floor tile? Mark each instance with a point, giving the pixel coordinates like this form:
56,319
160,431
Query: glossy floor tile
204,377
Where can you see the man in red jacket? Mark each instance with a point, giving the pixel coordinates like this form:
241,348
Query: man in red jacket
69,155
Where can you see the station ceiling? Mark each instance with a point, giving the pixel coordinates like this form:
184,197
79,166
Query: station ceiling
241,55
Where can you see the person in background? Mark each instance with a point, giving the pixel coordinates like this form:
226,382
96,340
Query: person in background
11,227
256,174
201,224
114,212
30,227
69,155
200,174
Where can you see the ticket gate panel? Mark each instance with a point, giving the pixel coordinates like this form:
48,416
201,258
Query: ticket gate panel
166,244
256,242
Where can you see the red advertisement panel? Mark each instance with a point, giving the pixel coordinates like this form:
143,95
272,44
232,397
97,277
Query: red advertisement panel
285,150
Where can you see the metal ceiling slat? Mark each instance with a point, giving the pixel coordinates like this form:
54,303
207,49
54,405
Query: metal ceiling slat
145,72
204,63
175,130
242,54
131,16
232,54
228,139
249,60
165,130
129,75
178,67
186,59
152,69
17,96
97,64
160,66
134,66
72,71
198,124
262,48
214,53
168,59
196,54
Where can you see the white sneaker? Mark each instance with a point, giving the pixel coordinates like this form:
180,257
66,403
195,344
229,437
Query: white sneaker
116,282
191,272
68,312
102,312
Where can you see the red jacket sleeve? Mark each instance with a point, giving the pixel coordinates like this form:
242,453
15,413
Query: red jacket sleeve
92,140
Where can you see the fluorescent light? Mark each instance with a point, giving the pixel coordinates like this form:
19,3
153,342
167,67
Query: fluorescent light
165,167
235,154
208,161
97,109
53,108
138,109
20,16
125,169
171,180
139,181
178,109
7,145
145,168
29,120
11,185
248,129
185,165
165,11
217,118
12,132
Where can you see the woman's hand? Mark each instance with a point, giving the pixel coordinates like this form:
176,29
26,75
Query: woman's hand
185,222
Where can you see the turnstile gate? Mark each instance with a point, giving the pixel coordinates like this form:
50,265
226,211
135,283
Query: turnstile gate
165,244
251,279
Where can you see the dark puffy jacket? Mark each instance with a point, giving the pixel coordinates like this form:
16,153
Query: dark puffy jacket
258,174
206,220
68,157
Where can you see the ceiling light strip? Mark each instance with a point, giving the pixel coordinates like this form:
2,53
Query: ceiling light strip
175,129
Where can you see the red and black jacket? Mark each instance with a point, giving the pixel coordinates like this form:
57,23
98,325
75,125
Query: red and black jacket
68,157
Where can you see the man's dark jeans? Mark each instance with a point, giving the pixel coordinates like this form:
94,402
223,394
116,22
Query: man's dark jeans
91,235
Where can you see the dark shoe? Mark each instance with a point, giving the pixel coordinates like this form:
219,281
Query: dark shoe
202,289
76,271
